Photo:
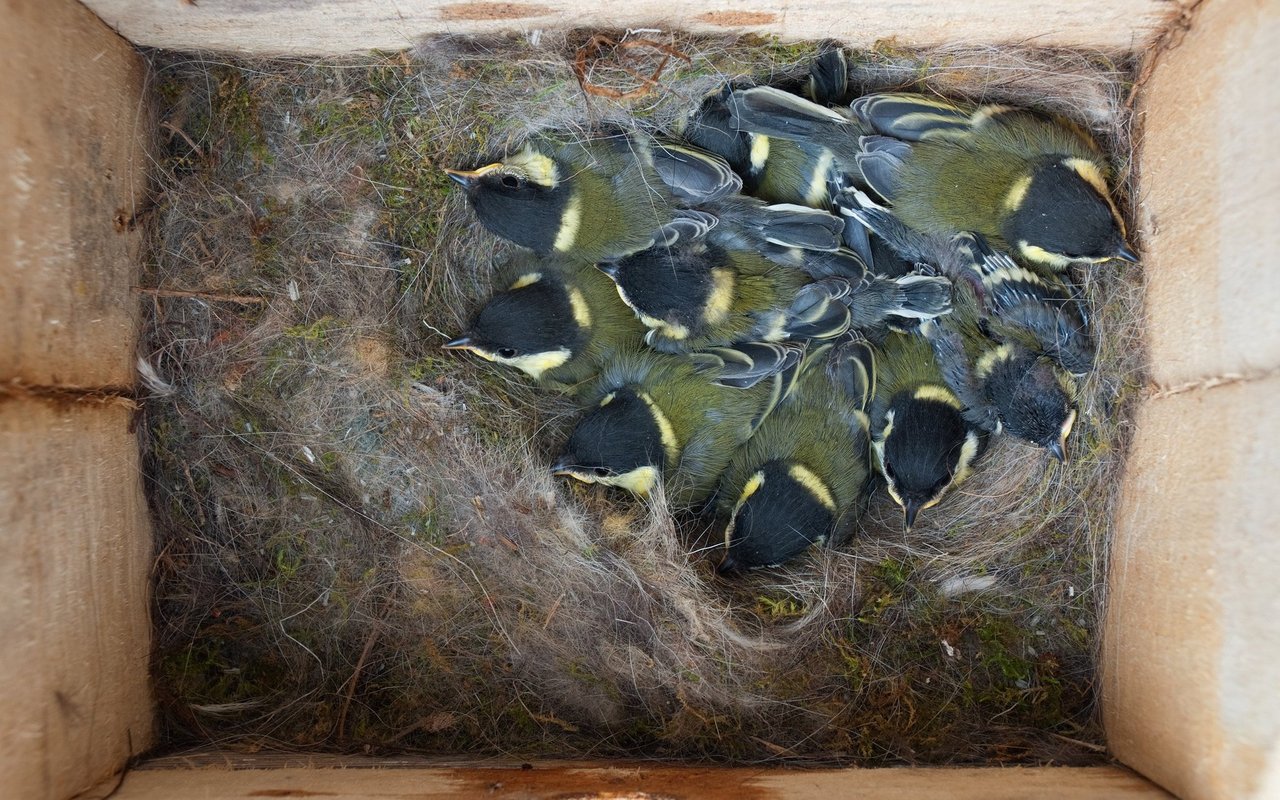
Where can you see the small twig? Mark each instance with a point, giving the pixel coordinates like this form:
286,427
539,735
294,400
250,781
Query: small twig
355,679
227,298
171,128
1097,748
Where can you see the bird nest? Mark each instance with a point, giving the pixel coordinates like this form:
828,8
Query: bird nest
360,547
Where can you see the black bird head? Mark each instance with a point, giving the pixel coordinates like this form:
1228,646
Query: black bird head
1062,213
624,441
524,198
534,326
925,448
783,508
1033,399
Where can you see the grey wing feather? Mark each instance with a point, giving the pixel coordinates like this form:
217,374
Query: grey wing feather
880,160
773,112
687,225
911,117
744,364
694,175
906,242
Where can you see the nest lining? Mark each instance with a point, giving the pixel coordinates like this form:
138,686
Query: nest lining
360,548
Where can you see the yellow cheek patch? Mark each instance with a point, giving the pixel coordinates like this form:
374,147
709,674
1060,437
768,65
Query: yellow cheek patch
669,441
527,279
813,485
938,393
1017,193
1066,429
752,486
816,194
988,360
671,330
759,151
1093,175
536,364
1089,172
1039,255
607,399
581,312
640,481
968,452
720,300
569,224
537,167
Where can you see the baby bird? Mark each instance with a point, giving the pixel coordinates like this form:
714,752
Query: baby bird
804,477
923,443
593,199
717,281
1032,184
658,419
556,320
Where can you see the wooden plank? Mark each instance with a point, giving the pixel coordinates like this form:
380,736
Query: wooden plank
637,780
1211,196
304,27
73,167
75,560
1191,649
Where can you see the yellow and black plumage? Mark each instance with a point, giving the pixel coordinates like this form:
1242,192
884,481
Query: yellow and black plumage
805,476
923,443
559,321
657,419
592,199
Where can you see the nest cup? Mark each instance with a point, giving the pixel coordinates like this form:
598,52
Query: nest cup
361,545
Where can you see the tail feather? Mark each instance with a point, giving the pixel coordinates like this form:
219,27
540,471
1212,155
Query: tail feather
912,297
852,367
828,77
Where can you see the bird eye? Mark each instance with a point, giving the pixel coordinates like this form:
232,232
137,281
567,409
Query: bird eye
510,181
601,472
506,352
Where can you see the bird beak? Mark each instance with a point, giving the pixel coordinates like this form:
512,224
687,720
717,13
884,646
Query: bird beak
1126,254
461,343
910,509
728,565
609,268
1058,450
467,179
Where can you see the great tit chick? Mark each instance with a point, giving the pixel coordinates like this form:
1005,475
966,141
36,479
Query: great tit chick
772,169
711,282
804,477
661,419
1031,308
922,441
1035,185
556,320
592,199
